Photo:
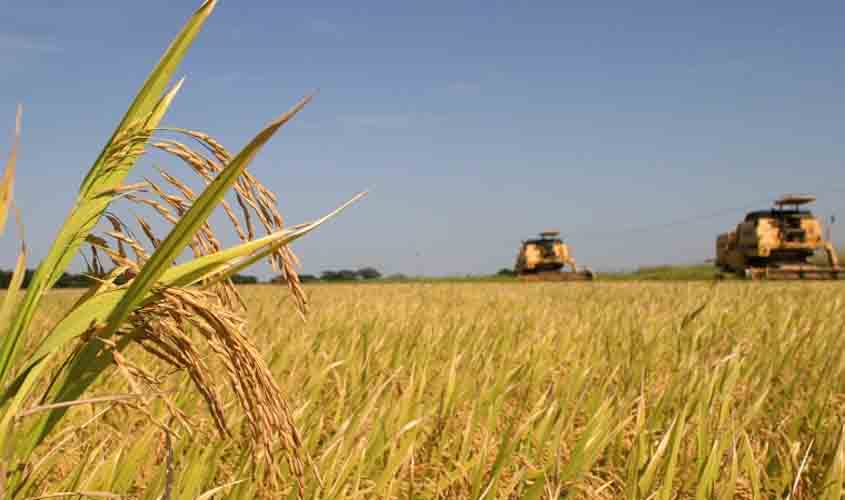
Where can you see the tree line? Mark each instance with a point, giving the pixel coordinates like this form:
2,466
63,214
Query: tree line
66,280
365,273
82,280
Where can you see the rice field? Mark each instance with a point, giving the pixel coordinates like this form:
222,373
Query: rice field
495,390
165,381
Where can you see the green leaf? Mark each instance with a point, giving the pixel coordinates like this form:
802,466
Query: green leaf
710,474
647,479
672,466
510,440
834,478
14,287
729,487
750,466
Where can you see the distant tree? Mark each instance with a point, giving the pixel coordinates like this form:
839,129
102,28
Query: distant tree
303,278
347,275
397,277
243,279
369,273
67,280
506,272
342,275
6,278
329,276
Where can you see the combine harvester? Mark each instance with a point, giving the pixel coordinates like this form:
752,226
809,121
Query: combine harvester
543,259
777,244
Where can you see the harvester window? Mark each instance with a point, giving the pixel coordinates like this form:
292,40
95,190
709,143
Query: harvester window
793,222
777,214
548,248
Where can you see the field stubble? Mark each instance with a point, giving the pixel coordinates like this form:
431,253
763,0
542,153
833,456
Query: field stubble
618,390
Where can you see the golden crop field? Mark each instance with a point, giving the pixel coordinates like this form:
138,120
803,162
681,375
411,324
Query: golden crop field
163,380
497,390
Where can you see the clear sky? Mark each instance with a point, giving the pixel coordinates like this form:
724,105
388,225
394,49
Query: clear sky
474,124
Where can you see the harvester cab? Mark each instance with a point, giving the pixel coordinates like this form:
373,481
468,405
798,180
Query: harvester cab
777,243
789,215
543,259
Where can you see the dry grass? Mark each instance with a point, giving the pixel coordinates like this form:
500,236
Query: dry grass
453,390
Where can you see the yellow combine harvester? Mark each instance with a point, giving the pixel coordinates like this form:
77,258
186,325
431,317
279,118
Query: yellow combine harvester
543,259
777,244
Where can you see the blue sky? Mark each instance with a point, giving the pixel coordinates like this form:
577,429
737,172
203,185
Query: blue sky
474,124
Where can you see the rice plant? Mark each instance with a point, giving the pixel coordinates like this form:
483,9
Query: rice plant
144,295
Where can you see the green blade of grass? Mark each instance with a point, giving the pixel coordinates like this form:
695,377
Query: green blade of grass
647,479
729,487
750,466
504,456
672,466
14,285
710,474
834,478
